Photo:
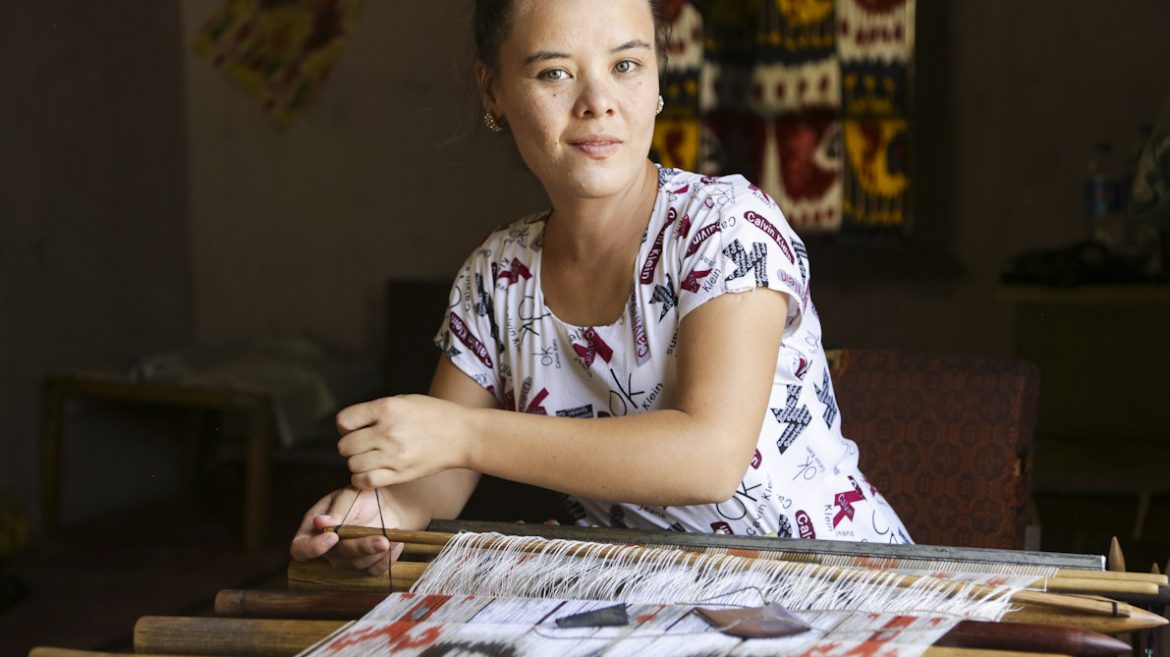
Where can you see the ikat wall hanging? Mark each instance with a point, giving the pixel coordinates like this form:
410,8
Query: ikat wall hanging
280,51
807,98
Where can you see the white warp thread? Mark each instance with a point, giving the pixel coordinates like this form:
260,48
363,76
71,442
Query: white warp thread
512,567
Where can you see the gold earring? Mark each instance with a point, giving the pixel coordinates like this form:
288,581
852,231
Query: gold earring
490,121
661,104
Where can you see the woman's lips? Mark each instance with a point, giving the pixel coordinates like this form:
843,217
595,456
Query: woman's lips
597,147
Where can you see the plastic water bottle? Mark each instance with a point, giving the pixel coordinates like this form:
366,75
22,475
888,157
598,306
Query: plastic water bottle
1104,206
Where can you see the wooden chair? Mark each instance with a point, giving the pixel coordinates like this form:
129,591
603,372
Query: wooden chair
946,438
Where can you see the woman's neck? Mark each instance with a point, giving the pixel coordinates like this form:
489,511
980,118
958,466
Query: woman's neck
587,263
591,229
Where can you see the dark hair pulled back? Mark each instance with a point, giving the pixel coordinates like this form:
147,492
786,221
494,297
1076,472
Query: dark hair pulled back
493,18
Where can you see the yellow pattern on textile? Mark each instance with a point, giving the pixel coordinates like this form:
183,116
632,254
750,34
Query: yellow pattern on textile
868,158
280,54
804,12
677,143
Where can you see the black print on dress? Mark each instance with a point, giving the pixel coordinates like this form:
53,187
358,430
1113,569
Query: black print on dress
679,527
801,259
617,516
574,508
825,394
794,418
580,411
485,308
665,295
784,527
744,263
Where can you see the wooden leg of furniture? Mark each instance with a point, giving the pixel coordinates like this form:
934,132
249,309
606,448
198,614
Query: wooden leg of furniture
256,483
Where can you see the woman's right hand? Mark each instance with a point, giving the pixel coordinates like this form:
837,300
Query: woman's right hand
371,554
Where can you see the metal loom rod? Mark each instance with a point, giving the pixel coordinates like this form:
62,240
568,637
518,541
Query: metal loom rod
1106,608
419,539
344,605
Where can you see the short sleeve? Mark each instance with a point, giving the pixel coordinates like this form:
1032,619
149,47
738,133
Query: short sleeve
739,246
470,333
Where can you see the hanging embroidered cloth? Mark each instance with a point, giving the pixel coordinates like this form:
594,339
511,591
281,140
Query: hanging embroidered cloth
808,98
280,51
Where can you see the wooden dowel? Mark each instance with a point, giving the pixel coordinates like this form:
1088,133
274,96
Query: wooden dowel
178,635
1032,638
1100,586
316,605
1153,578
49,651
318,574
1116,559
347,605
286,638
1139,619
1057,600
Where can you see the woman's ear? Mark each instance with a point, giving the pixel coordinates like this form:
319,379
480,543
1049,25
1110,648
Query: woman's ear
486,83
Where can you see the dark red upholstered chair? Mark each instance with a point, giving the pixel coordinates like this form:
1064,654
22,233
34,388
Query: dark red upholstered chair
946,438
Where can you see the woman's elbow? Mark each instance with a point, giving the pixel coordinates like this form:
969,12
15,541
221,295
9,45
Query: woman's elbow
718,483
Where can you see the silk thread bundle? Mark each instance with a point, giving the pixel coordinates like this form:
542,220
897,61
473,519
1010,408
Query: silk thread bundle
526,567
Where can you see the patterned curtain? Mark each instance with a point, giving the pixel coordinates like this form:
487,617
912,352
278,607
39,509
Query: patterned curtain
809,99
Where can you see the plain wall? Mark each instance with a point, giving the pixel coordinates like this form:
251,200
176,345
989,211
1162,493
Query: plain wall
94,234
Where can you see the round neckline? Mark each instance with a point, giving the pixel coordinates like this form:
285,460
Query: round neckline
538,273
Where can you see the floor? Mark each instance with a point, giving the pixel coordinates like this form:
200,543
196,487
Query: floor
86,587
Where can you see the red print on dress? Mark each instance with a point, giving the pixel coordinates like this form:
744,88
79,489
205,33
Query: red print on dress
469,340
651,263
702,236
514,273
594,346
771,230
845,501
804,525
721,527
693,279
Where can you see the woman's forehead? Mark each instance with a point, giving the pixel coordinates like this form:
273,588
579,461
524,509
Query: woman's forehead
558,24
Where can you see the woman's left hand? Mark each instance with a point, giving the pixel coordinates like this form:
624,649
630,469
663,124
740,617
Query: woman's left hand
399,439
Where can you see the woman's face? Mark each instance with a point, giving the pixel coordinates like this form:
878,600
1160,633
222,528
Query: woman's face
577,83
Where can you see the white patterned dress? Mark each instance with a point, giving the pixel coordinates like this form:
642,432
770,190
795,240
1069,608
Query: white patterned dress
706,237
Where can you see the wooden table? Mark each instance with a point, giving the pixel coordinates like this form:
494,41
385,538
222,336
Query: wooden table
256,407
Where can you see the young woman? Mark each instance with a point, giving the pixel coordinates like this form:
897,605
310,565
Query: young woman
653,329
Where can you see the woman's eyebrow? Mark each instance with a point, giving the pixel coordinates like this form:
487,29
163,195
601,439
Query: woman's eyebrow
545,55
629,45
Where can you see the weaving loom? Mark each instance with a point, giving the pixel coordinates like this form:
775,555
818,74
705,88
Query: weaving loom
491,594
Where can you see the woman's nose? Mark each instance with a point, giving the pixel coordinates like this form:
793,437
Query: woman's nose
597,97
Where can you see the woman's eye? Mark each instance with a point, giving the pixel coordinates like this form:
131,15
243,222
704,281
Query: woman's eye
554,74
626,66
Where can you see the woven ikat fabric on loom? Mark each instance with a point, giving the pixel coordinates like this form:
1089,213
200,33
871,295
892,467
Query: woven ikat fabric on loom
808,98
443,625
